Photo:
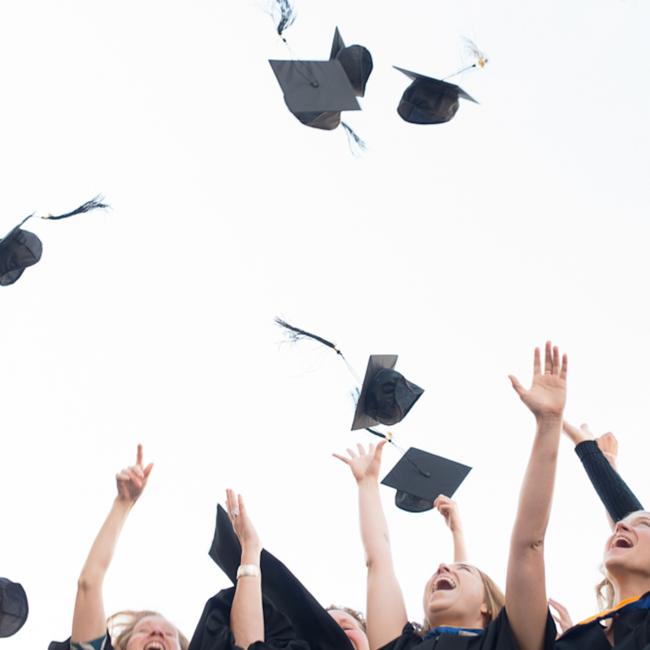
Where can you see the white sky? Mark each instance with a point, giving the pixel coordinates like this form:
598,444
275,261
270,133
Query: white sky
458,246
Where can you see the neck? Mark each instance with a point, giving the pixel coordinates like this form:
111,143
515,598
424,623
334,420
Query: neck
631,585
449,619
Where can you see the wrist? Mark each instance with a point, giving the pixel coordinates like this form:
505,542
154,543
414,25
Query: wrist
251,555
368,482
549,419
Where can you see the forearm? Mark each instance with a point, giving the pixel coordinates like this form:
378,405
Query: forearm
101,552
89,620
374,528
247,615
460,548
613,491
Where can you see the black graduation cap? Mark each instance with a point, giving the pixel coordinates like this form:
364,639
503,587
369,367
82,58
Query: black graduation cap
21,248
419,477
13,607
309,619
428,100
317,91
386,395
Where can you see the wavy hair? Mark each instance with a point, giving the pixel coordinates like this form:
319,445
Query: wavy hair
121,626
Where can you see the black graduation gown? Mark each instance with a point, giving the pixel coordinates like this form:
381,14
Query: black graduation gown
631,632
65,645
213,629
498,636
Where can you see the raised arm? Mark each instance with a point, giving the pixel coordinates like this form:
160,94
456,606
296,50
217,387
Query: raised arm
526,603
449,510
598,456
386,612
246,614
89,620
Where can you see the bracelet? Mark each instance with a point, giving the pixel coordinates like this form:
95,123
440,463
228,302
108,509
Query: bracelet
248,570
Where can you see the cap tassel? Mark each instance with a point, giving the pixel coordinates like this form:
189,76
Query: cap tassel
286,18
389,437
356,144
295,334
94,204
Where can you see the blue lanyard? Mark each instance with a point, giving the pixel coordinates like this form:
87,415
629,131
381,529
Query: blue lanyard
454,631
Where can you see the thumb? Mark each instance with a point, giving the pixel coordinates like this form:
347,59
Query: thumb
519,389
147,470
378,449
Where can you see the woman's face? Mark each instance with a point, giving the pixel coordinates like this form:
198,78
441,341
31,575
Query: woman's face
153,633
352,629
454,595
628,550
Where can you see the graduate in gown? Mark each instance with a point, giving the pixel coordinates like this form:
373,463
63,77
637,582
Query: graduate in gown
625,623
463,608
135,630
268,608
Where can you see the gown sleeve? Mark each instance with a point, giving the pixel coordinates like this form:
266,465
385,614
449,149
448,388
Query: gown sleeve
499,635
103,643
213,629
618,499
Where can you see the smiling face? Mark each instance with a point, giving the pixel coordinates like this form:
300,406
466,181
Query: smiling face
627,552
153,633
351,627
455,596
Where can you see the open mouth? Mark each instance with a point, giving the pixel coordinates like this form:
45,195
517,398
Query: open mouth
154,645
444,583
621,542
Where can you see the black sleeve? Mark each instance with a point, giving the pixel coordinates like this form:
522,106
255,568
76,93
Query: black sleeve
499,636
213,629
65,645
408,639
618,499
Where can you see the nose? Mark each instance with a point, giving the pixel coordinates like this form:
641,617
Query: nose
443,568
621,526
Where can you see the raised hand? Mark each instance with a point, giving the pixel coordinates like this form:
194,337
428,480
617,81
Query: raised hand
241,523
547,395
561,617
365,465
575,434
449,510
609,446
132,480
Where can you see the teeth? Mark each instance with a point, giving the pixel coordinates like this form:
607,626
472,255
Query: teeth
448,583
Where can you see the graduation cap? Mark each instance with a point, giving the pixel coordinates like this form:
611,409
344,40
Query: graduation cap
13,607
316,92
386,395
428,100
419,477
21,248
309,619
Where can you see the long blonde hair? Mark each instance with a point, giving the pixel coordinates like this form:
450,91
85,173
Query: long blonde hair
121,625
494,599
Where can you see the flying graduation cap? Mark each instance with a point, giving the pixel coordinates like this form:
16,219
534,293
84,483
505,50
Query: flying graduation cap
428,100
316,92
419,477
21,248
13,607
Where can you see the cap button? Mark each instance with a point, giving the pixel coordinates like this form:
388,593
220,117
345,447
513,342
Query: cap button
314,84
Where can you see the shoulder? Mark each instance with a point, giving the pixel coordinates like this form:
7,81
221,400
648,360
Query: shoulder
102,643
499,636
409,638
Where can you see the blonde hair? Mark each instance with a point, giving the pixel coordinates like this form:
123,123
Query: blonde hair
121,626
493,598
356,615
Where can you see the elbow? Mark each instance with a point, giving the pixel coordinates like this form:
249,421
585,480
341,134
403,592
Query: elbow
88,582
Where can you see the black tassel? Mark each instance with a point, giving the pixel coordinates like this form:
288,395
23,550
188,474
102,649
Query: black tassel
356,144
93,204
295,334
389,437
287,15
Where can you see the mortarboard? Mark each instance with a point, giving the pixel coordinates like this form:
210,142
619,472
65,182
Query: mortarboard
386,395
419,477
21,248
317,91
13,607
428,100
309,619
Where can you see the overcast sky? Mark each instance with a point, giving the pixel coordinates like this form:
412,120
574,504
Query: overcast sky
459,247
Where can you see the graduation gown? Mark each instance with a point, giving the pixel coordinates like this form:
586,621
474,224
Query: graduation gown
631,628
65,645
213,630
497,636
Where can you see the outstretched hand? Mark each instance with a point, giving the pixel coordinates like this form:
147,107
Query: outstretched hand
449,510
241,523
365,465
132,480
607,443
562,617
547,395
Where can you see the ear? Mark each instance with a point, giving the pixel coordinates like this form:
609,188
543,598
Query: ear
485,610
